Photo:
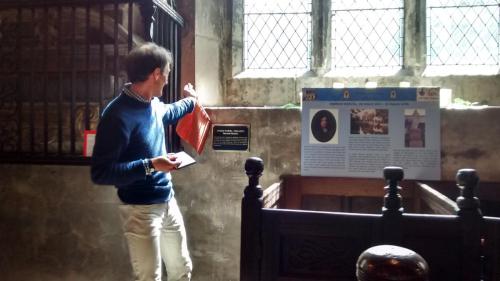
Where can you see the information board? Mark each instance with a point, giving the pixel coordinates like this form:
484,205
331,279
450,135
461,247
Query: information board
356,132
231,137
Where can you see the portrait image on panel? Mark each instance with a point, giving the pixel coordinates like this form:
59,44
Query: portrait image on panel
369,121
415,127
323,126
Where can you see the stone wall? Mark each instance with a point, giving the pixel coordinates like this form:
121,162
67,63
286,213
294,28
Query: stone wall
210,192
57,226
280,91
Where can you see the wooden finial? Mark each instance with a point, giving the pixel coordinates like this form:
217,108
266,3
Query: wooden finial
254,167
392,198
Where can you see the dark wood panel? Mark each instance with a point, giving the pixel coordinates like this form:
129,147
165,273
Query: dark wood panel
302,245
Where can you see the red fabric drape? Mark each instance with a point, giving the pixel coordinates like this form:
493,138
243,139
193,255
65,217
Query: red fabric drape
194,128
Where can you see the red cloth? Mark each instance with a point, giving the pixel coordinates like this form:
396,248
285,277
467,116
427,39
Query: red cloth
194,128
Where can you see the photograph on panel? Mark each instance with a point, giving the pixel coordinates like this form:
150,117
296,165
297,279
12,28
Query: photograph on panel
369,121
414,127
324,126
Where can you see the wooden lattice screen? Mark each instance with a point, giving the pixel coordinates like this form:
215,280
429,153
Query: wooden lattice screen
60,64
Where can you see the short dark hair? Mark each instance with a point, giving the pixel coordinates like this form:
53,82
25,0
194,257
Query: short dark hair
143,60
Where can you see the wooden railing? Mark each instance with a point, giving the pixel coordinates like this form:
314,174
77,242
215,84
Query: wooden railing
281,241
291,190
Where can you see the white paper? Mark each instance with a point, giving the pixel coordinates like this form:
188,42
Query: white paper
186,159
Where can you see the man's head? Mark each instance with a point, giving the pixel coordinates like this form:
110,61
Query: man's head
323,122
149,63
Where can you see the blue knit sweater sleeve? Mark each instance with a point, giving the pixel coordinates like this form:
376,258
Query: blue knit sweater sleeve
175,111
111,139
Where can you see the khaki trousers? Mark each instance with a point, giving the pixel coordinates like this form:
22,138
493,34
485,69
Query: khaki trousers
155,233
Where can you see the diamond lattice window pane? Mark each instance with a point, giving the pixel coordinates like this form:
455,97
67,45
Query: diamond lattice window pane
277,34
367,34
462,32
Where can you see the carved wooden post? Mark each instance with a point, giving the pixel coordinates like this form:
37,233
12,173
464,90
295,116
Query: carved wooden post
471,219
468,204
392,210
251,207
147,9
392,198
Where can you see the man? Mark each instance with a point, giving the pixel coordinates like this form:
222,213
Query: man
130,153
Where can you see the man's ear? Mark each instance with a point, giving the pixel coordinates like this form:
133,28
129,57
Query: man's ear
157,73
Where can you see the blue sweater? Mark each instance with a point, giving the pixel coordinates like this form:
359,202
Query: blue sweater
128,132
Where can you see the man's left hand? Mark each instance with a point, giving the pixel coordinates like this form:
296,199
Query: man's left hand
165,163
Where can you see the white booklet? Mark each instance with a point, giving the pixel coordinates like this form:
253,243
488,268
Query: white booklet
186,159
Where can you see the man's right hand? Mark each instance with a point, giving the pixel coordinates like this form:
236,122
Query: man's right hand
189,91
165,163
